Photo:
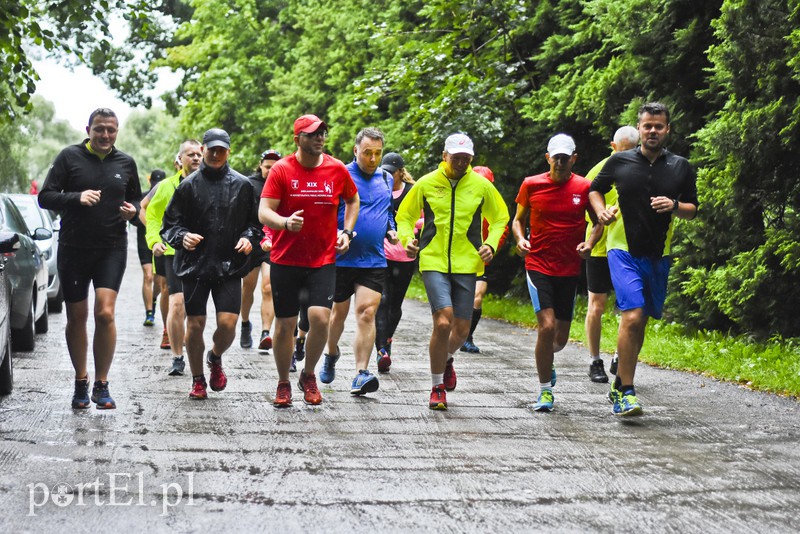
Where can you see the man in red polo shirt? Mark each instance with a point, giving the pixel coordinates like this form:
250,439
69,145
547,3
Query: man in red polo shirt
301,201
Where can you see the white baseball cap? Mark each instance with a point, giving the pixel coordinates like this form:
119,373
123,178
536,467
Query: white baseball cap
561,144
459,143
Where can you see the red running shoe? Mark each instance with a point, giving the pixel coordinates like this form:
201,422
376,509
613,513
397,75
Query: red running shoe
165,340
218,380
266,341
308,383
384,361
283,397
438,398
198,388
449,376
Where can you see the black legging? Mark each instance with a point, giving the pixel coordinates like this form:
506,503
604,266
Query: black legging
398,277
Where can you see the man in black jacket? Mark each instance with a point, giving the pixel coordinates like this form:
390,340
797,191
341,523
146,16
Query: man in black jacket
96,189
211,224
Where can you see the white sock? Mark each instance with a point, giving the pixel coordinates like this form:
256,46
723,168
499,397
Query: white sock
545,387
437,379
451,355
594,358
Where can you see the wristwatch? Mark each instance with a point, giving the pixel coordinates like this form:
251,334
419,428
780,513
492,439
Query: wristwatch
348,233
674,204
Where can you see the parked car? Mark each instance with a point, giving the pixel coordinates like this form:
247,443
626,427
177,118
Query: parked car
27,272
35,217
9,243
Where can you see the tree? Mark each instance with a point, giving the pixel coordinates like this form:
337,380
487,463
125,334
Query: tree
743,273
73,28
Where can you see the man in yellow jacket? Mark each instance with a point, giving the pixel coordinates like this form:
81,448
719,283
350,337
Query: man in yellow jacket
452,252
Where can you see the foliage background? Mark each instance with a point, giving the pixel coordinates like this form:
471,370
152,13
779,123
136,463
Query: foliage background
509,73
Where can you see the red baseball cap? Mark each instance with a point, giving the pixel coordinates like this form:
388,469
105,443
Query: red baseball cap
308,124
486,172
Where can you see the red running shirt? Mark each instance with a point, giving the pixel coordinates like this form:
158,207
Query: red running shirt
557,222
317,192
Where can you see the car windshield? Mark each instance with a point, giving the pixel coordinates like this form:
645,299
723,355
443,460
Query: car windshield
30,212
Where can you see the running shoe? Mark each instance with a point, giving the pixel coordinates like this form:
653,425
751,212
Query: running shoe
246,337
614,395
384,361
627,406
149,318
80,399
438,398
388,346
308,384
178,365
597,372
165,340
293,367
470,347
300,349
364,382
328,372
283,396
614,362
266,341
198,391
450,376
218,380
553,376
101,397
545,402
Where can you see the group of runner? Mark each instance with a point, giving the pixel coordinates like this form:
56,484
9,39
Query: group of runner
323,234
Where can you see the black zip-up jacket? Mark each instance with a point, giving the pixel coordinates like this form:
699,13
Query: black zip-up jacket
219,205
75,170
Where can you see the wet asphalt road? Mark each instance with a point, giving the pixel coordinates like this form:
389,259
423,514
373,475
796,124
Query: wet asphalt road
707,456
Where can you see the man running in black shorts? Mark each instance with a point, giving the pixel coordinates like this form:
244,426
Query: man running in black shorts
211,224
96,188
301,201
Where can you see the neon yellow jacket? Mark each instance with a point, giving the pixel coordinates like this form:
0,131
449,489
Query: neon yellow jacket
452,232
156,208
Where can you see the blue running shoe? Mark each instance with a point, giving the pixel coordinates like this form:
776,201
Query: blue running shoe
80,399
293,367
553,376
545,402
627,406
470,347
328,371
364,382
614,395
102,397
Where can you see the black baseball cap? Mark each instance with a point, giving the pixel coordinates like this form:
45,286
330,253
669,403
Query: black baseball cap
217,137
271,154
392,161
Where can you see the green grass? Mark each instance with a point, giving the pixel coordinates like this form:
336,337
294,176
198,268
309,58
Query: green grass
772,366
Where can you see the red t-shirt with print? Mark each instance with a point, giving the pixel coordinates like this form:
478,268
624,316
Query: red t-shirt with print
317,192
557,222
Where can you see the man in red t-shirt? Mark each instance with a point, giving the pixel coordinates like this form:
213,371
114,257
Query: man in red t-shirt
301,201
554,205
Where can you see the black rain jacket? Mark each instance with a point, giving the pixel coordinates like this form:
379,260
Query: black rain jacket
219,205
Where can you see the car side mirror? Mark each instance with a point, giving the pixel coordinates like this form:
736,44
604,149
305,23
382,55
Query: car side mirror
40,234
